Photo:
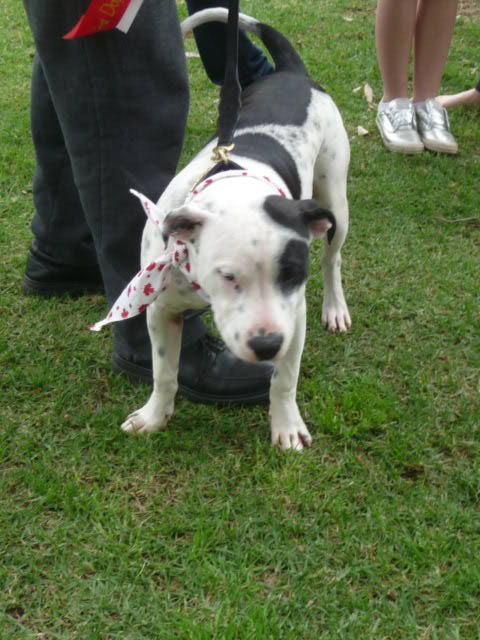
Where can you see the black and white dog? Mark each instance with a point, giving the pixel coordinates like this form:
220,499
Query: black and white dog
246,233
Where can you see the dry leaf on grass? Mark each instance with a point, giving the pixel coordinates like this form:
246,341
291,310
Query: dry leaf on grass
368,93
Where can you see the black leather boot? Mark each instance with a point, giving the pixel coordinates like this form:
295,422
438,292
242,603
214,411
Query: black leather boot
209,373
45,277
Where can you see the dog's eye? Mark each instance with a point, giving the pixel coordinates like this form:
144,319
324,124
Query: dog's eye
228,276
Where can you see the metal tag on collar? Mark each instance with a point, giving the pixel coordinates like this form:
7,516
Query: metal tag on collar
222,152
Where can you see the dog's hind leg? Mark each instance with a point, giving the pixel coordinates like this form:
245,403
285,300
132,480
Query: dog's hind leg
165,332
330,190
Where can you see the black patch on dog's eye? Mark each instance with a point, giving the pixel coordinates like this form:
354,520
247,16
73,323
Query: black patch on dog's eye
293,266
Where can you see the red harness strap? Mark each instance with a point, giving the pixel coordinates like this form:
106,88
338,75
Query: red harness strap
105,15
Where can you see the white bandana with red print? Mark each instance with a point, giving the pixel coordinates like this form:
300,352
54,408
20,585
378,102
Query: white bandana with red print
154,279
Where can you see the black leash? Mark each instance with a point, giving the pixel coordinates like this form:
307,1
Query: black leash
230,100
230,93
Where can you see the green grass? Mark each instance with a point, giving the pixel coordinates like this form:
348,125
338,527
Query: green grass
203,531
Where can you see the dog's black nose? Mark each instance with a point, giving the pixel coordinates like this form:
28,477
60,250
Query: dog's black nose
266,347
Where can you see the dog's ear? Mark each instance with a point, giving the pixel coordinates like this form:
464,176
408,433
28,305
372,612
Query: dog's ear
305,217
318,221
184,223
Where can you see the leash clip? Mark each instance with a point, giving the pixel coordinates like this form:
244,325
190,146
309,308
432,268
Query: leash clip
221,153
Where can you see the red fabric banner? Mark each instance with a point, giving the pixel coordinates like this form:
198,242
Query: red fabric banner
101,15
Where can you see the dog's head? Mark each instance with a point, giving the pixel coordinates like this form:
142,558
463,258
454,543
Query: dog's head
251,257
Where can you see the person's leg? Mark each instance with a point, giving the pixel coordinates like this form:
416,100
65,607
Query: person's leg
433,34
469,98
121,102
210,39
62,258
394,29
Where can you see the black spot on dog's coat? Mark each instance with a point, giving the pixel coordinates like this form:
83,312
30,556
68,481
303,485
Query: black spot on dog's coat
264,148
280,98
293,266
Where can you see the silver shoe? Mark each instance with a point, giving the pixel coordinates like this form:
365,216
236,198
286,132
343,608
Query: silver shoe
398,128
434,127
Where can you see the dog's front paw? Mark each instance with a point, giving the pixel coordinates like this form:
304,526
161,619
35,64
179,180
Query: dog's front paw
335,316
148,419
296,437
289,430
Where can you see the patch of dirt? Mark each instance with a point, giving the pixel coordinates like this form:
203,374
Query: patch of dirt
469,9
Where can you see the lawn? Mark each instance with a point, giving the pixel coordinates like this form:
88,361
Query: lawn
203,531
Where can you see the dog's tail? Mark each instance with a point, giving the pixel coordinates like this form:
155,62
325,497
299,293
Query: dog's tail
283,54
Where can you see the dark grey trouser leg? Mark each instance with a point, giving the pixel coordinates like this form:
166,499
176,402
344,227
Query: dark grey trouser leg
120,103
59,226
